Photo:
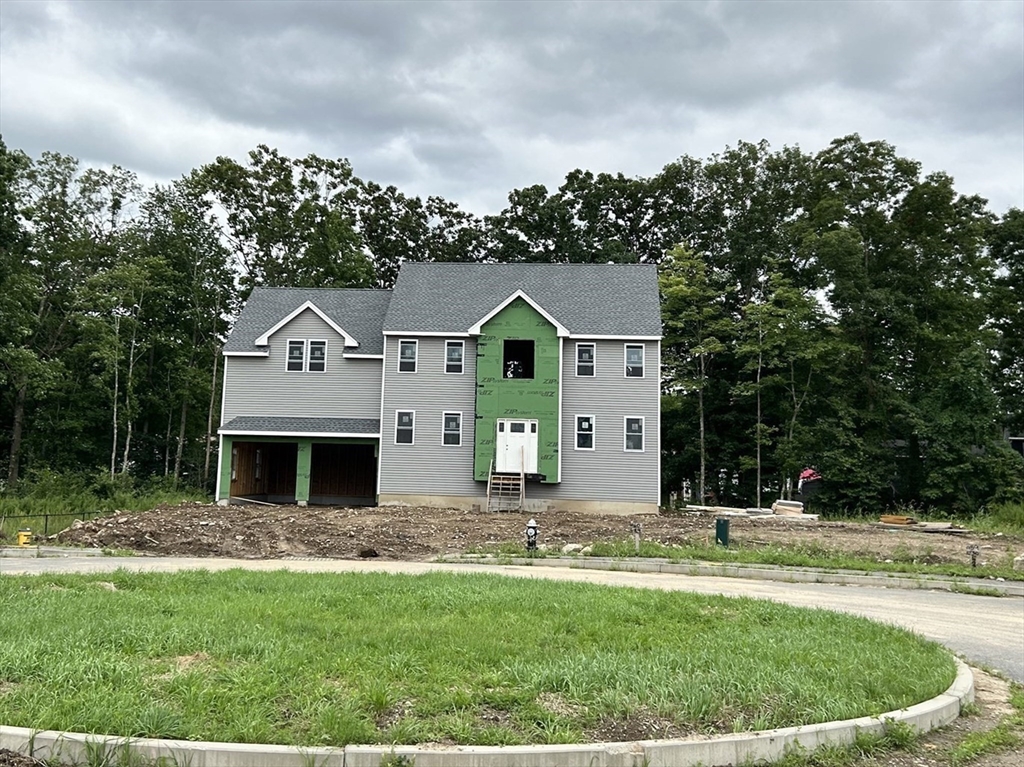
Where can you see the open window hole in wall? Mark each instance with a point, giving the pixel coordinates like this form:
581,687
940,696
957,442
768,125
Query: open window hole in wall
518,358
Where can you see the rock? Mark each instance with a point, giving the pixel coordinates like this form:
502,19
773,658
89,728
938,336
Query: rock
571,548
1018,562
586,550
542,547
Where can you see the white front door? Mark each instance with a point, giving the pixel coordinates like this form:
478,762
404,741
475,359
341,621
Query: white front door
517,446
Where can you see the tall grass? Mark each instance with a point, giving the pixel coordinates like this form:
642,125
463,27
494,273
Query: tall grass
361,658
1001,518
66,497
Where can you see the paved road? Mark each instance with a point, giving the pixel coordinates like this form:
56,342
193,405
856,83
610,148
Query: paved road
985,630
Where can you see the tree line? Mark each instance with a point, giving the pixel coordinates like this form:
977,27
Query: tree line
837,310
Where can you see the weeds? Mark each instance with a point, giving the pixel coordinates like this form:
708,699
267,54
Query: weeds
794,556
58,500
1004,735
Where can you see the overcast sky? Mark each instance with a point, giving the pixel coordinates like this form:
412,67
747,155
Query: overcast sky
471,100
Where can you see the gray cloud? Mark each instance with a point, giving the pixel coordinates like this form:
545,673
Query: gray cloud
468,100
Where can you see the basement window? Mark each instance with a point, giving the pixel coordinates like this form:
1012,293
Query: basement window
518,358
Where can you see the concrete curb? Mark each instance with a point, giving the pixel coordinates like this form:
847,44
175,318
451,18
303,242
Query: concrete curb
766,745
38,552
757,572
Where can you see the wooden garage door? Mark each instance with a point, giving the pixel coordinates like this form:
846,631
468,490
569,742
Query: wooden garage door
343,472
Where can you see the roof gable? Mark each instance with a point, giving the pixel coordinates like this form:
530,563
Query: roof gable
476,329
356,314
264,339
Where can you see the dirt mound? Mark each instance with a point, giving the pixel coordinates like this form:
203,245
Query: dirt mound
415,533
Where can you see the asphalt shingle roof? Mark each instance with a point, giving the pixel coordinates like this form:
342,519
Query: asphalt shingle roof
588,299
266,424
359,312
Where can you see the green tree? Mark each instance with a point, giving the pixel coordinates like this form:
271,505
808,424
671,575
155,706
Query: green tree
696,329
289,222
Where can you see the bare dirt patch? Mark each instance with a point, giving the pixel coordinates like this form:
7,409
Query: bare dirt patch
418,533
10,758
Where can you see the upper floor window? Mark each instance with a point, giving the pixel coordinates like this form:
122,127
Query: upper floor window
317,357
634,360
454,351
407,352
306,356
517,361
296,356
585,359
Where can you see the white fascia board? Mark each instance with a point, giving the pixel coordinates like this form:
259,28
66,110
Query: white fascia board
246,354
560,329
363,356
592,337
264,339
251,433
423,333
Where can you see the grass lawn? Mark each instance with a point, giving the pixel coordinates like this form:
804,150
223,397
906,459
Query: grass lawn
471,659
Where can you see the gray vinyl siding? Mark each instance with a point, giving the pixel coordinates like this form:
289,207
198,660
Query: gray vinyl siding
427,467
608,473
260,386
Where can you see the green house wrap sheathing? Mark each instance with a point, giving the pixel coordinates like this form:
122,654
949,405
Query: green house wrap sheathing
527,398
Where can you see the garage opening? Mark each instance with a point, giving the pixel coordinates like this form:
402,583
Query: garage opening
264,471
339,474
343,475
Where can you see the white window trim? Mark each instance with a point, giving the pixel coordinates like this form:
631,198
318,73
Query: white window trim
643,433
444,415
306,342
309,344
413,427
594,363
625,360
287,351
463,345
592,432
416,359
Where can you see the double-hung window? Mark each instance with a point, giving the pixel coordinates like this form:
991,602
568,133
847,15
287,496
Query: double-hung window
451,429
306,356
296,357
634,438
454,352
407,353
585,359
317,357
584,432
634,360
405,422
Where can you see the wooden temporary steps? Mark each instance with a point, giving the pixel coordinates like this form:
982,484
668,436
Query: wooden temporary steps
505,491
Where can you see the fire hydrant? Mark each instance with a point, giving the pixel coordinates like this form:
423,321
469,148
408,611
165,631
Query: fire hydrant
531,536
